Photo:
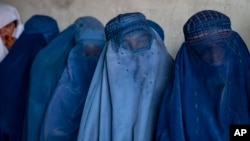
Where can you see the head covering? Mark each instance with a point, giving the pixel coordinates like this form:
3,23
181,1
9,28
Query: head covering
14,74
9,14
49,32
71,91
128,84
157,28
46,70
211,84
204,24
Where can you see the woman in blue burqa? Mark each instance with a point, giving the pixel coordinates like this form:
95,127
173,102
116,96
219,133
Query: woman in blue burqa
211,86
46,71
63,116
15,70
127,87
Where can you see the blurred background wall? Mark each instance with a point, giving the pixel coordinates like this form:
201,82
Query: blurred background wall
170,14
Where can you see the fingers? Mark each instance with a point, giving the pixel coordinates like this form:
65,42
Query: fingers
8,41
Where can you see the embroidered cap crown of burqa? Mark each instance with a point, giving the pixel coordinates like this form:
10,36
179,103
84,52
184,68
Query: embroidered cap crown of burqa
211,84
15,70
46,70
128,84
71,91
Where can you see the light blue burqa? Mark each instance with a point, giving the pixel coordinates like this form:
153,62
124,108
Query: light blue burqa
130,78
46,70
63,116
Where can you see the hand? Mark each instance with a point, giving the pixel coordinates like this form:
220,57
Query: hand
9,41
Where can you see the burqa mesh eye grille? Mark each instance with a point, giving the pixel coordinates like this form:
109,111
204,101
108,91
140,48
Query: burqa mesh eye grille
214,50
136,40
92,49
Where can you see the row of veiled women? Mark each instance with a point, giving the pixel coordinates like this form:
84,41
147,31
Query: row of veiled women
118,82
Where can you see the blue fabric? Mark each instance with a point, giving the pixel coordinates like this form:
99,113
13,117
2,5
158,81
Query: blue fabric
47,26
128,84
157,28
14,75
71,91
211,86
46,70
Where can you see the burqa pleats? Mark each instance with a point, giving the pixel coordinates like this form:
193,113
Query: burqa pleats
211,88
45,73
127,87
71,91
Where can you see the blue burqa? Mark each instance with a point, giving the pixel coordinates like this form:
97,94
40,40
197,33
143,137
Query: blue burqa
157,28
14,74
211,86
46,70
63,116
127,87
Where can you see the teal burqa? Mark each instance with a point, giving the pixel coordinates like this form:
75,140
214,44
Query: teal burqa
46,70
63,116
